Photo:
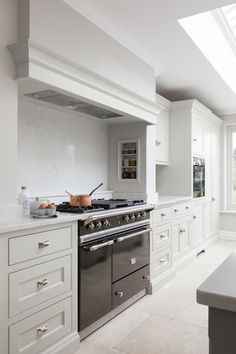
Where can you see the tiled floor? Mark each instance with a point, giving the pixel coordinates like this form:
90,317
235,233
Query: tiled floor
168,322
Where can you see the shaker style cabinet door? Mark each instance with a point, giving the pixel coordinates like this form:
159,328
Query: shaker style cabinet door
198,137
197,225
162,139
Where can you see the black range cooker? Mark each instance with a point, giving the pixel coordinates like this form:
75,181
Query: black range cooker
114,252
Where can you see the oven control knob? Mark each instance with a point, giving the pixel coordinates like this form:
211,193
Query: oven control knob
91,226
106,223
98,225
144,214
126,218
138,216
132,217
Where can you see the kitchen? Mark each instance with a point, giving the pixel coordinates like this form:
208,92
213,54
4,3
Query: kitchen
83,105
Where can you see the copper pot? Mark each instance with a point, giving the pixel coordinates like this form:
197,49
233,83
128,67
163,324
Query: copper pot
82,200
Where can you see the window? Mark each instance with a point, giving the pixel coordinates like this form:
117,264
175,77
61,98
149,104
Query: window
231,167
214,32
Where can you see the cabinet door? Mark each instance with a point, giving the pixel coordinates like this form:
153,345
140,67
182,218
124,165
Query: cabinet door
162,139
197,225
207,219
184,231
198,136
176,245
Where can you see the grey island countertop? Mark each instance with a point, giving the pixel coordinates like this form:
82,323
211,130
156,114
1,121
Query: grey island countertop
219,290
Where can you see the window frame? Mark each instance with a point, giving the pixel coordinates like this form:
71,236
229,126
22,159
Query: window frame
230,181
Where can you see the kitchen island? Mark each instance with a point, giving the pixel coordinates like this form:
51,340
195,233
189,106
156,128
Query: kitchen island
218,292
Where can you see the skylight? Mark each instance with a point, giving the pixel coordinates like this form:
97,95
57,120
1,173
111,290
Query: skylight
214,32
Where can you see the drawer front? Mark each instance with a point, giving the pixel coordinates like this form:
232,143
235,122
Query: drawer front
130,255
40,244
125,288
161,236
34,285
38,332
180,209
162,261
161,215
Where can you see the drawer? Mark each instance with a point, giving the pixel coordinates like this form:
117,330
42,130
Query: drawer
41,330
180,209
129,286
161,215
40,244
130,254
34,285
161,261
161,236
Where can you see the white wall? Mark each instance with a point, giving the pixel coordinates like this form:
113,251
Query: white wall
70,35
8,103
59,150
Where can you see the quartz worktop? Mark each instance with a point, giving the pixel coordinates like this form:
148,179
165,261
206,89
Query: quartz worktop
11,220
171,199
219,290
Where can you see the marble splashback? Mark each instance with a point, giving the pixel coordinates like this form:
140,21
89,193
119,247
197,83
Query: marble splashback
59,150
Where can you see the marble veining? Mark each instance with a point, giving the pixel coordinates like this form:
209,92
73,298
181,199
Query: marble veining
59,150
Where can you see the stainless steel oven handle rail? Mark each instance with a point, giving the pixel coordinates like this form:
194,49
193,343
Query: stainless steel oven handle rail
99,245
117,212
123,238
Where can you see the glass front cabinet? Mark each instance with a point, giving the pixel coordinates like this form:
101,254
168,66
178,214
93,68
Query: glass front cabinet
128,160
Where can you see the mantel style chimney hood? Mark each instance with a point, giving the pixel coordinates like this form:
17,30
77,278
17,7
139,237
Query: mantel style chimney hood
45,77
75,65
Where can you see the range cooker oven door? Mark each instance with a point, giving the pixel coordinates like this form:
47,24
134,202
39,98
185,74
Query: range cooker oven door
131,251
94,282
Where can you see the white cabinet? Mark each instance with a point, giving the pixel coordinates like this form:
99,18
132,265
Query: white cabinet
181,237
39,272
162,139
197,232
198,136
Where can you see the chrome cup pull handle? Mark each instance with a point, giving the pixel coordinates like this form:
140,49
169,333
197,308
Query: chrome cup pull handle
41,330
43,244
42,283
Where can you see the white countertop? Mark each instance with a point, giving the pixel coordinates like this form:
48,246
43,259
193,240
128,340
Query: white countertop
219,290
11,220
171,199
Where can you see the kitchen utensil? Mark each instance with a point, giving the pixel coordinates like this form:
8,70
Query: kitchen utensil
84,200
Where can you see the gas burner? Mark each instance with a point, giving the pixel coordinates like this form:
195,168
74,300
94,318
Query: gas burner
65,207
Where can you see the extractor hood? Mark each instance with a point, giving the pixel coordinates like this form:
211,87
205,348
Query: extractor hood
67,102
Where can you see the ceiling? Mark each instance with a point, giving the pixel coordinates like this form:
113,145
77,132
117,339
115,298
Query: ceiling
151,30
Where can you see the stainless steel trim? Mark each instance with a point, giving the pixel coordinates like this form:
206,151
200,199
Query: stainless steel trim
108,232
123,238
99,245
118,211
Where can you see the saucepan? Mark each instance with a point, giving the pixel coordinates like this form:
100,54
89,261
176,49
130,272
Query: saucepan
84,200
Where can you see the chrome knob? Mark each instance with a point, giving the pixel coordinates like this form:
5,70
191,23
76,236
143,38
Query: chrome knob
98,225
42,283
91,226
138,216
106,223
119,293
43,244
41,330
126,218
132,218
144,214
146,277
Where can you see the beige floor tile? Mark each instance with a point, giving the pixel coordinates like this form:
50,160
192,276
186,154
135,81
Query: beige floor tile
87,346
119,327
159,335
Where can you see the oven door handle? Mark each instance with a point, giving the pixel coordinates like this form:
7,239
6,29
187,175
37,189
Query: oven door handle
99,245
123,238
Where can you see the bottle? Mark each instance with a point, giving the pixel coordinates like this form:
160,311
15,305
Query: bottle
24,201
